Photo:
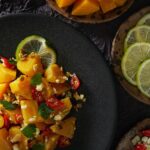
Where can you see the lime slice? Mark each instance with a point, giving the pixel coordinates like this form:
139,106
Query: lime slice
37,44
137,34
144,20
132,59
143,78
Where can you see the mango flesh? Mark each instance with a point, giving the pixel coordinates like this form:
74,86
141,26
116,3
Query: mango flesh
3,89
29,109
21,87
6,74
120,2
30,65
107,5
64,3
65,128
52,142
54,74
4,143
85,7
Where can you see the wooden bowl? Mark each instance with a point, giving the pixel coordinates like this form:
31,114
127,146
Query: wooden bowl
97,17
125,143
118,51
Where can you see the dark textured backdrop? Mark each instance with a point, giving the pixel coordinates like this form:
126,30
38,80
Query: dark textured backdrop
130,111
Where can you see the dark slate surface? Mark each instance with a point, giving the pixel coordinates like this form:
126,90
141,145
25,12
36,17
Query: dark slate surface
130,111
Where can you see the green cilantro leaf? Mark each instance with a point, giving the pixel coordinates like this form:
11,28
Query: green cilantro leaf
36,79
38,146
8,105
29,130
44,111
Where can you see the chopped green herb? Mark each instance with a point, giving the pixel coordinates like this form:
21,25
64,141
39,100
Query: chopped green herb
12,61
8,105
38,146
36,79
44,111
29,131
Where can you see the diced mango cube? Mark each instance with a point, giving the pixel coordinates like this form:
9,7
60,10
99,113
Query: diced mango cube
120,2
16,135
60,88
4,143
52,142
6,74
54,74
65,128
21,87
68,107
12,114
30,65
107,5
64,3
3,88
85,7
29,109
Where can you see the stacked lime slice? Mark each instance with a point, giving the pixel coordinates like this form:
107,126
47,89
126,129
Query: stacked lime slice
135,63
37,44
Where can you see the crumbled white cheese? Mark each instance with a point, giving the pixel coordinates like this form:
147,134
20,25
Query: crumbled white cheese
148,141
23,106
58,117
15,147
37,132
144,139
57,81
32,119
65,78
55,91
39,87
35,67
135,140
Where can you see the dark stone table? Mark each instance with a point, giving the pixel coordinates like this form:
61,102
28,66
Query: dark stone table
130,111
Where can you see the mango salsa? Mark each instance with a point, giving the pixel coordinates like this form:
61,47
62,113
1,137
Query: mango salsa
85,7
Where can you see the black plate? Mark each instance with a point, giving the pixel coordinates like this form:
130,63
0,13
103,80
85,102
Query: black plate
96,121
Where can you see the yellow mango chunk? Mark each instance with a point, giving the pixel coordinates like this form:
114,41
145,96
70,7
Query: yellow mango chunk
30,65
21,87
65,128
68,107
3,88
107,5
54,74
48,89
64,3
52,142
29,109
4,143
16,135
85,7
6,74
12,114
60,88
1,121
120,2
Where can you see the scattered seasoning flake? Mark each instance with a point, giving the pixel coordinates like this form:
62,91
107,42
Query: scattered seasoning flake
8,105
29,131
36,79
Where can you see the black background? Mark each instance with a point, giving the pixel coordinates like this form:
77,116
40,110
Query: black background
130,111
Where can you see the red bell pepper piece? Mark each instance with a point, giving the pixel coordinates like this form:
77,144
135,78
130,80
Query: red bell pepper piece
63,142
6,121
146,133
55,104
6,63
18,118
140,147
